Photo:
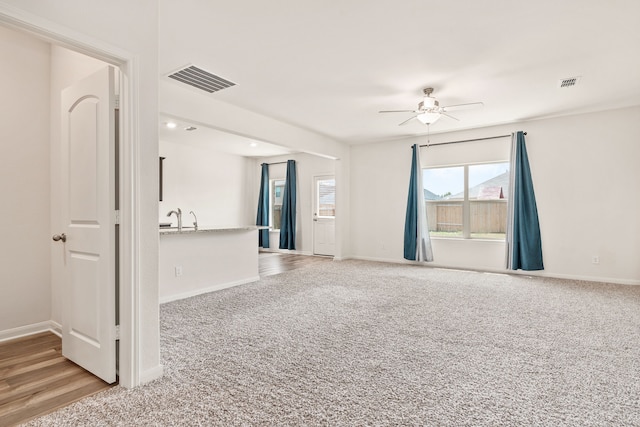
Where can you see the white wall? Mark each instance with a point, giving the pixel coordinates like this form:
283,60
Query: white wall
209,261
212,184
379,185
586,183
24,180
307,167
585,177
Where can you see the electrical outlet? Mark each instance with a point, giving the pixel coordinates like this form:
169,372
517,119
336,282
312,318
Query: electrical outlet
595,259
178,270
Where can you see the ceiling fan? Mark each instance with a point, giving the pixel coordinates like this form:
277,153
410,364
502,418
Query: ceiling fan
429,109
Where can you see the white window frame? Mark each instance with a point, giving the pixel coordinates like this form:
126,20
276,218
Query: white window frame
272,184
317,196
466,202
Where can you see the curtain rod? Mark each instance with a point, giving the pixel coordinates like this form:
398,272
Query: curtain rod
276,163
467,140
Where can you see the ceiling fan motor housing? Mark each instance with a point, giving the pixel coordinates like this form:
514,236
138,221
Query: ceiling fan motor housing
428,103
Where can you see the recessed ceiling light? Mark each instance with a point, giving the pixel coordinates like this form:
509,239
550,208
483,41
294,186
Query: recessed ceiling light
171,125
253,144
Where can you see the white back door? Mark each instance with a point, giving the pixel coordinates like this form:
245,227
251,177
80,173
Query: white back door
324,215
88,209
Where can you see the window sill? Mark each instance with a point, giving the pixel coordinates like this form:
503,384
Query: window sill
462,239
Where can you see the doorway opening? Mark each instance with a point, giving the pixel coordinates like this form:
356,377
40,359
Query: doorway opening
37,75
37,303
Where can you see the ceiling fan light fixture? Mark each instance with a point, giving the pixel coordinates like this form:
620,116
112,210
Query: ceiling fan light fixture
428,118
429,110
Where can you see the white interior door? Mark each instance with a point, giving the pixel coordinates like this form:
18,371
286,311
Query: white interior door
324,215
88,209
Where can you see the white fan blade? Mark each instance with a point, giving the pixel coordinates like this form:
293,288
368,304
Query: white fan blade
407,121
450,116
463,106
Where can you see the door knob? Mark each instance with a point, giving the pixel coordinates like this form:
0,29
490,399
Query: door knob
57,237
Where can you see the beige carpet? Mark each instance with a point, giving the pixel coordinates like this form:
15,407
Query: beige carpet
357,343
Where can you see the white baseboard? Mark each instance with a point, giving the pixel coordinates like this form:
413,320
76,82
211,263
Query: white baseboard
213,288
505,271
151,374
35,328
616,281
286,251
390,260
56,328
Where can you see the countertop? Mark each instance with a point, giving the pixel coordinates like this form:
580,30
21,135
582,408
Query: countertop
205,229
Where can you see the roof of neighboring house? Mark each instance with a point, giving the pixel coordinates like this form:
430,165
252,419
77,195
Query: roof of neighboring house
487,188
428,195
490,193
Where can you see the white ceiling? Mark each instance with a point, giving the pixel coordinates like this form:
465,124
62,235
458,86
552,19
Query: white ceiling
206,137
330,66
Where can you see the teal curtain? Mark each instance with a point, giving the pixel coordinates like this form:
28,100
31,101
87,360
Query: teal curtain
417,243
288,223
263,207
524,244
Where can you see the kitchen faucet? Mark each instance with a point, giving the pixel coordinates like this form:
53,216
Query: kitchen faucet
179,215
195,218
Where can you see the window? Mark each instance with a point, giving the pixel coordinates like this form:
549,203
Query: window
468,201
444,197
326,197
277,193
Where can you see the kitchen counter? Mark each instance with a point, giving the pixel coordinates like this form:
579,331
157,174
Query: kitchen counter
208,259
205,229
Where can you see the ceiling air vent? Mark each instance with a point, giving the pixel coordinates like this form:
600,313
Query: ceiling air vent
571,81
201,79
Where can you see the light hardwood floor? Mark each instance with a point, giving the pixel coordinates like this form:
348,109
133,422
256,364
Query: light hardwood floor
271,263
35,379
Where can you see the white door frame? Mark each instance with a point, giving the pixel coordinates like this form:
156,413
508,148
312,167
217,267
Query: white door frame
128,64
